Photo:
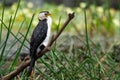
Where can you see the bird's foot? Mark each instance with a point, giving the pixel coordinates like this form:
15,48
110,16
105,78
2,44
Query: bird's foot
31,75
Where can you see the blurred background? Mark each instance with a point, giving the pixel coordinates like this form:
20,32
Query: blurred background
88,55
103,16
68,3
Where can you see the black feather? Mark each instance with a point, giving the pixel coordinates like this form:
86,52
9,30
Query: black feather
38,36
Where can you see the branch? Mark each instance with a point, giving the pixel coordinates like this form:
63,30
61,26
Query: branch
26,62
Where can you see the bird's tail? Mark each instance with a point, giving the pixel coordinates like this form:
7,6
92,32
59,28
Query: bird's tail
32,62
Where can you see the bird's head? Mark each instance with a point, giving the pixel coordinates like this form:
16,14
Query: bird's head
43,15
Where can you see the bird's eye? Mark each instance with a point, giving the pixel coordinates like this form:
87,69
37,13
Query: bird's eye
46,14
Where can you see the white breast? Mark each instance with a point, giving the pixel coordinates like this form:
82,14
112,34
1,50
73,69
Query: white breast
49,22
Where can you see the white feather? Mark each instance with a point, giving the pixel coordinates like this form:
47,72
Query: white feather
49,22
42,16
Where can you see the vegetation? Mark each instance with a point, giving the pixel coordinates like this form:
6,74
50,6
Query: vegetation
87,50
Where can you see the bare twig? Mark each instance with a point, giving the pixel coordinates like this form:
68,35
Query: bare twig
26,62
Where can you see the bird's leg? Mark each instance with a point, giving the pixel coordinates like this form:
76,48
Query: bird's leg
31,75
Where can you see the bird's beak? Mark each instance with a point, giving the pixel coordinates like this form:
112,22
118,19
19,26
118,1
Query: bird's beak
48,14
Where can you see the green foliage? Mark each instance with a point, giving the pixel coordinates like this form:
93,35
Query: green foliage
90,61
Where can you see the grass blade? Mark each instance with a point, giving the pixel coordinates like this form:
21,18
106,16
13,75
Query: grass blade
18,52
2,20
86,31
8,33
15,41
15,12
13,34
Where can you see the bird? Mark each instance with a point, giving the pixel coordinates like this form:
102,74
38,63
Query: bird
40,36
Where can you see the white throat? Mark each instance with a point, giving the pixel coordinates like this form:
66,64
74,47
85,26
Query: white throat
49,23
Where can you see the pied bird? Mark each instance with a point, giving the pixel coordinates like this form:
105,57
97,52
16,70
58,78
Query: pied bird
40,36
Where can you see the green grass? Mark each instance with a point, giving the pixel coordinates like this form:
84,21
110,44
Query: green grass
85,55
4,46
